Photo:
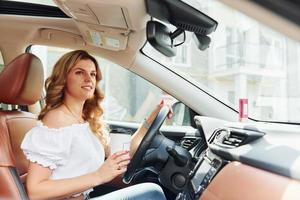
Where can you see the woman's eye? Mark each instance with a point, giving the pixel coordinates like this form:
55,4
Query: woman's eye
93,74
79,72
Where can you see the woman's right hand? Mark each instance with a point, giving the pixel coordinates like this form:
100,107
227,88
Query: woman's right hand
113,166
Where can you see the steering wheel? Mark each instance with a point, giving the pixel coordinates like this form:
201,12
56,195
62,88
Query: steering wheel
145,144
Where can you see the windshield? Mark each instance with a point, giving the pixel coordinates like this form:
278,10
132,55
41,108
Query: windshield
245,60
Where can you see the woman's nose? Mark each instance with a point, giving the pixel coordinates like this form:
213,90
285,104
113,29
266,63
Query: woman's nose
88,77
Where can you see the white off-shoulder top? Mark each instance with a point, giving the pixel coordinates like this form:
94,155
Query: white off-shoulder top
69,151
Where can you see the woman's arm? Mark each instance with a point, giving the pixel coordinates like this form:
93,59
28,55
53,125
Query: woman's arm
39,186
137,137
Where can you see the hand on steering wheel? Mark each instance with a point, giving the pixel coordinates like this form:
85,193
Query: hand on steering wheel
134,164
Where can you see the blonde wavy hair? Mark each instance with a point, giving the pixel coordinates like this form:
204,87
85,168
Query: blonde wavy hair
55,86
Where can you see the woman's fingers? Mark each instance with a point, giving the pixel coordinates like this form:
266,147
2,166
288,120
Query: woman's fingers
120,160
163,103
170,115
114,165
123,157
121,171
118,153
122,167
124,163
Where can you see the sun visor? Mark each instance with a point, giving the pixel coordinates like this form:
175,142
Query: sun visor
103,36
61,37
101,24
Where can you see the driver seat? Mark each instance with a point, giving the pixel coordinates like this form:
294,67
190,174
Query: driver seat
21,83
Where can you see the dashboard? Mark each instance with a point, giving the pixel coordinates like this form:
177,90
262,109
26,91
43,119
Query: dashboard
271,150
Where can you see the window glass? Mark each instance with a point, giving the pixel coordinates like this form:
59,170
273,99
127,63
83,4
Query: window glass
246,59
128,97
1,62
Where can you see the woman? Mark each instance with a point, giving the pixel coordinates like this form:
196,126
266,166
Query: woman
67,149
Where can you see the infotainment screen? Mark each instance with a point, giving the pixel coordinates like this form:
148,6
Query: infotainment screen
200,174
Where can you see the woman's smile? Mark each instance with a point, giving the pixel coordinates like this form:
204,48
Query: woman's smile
87,87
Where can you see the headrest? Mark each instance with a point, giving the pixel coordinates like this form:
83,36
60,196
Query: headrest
21,81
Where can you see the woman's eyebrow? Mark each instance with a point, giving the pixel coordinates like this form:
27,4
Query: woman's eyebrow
79,68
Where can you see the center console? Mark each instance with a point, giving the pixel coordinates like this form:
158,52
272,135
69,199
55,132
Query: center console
206,168
207,165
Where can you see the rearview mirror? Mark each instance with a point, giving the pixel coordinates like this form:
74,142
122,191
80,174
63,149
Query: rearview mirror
184,17
181,15
158,36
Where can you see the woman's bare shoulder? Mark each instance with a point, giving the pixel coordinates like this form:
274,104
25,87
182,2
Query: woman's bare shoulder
56,118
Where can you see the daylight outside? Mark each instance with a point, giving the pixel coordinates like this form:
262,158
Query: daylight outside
245,60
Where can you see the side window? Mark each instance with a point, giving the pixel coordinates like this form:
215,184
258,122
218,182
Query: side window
1,62
181,115
128,97
2,106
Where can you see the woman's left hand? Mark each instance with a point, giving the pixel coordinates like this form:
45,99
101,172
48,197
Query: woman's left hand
138,136
157,109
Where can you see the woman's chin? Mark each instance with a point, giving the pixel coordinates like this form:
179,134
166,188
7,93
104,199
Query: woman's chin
89,96
85,96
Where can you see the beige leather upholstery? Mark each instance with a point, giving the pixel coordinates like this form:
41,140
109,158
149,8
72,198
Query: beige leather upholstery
18,123
21,83
237,181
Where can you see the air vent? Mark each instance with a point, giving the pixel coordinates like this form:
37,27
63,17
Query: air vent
234,139
188,143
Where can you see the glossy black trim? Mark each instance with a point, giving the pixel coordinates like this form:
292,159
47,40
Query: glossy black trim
30,9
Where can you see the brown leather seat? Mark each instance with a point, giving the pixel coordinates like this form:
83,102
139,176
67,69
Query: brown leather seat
21,83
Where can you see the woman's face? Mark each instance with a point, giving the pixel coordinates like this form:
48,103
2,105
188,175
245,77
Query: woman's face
81,80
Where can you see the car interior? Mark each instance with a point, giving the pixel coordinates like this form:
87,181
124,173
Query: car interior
210,154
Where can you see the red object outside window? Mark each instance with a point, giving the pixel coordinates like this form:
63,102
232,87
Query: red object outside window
243,110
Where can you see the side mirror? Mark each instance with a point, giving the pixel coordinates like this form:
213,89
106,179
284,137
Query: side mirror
182,115
158,36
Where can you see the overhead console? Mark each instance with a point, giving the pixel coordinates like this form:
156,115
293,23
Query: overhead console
101,24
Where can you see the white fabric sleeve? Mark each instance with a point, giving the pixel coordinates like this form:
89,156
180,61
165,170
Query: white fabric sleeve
47,147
